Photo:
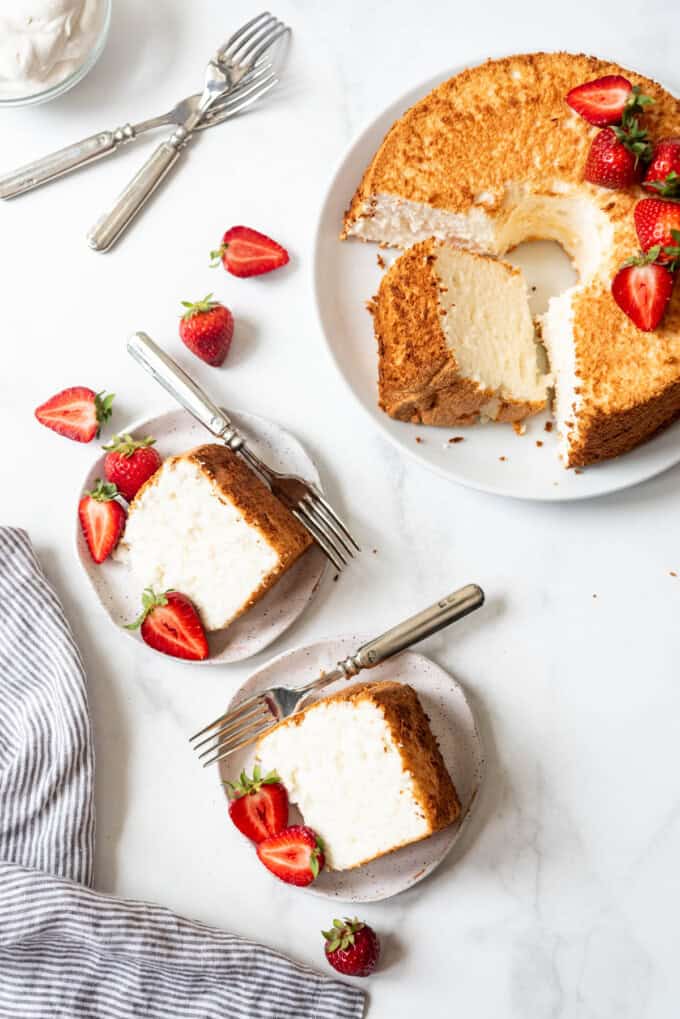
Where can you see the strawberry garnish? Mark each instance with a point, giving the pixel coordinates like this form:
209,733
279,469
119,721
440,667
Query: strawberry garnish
102,519
130,462
259,805
170,623
77,413
642,288
657,221
663,173
352,947
295,855
245,252
206,327
618,154
602,101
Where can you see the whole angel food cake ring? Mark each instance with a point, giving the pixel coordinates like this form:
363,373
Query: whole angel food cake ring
493,157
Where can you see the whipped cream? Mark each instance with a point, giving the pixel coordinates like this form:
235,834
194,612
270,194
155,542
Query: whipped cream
42,42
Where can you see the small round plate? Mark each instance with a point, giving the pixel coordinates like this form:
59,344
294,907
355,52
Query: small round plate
492,458
176,432
453,725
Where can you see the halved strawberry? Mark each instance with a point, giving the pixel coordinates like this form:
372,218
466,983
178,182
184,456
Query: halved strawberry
642,288
102,519
295,855
259,805
602,101
245,252
77,413
170,623
663,173
657,221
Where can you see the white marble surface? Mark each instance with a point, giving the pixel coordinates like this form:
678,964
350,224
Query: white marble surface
562,899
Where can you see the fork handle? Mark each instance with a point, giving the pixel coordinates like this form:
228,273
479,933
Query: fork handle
129,203
183,389
438,616
56,164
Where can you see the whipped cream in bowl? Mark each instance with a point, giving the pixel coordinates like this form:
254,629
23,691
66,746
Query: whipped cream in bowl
47,46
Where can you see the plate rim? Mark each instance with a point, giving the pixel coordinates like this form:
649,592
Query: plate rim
139,424
407,98
483,758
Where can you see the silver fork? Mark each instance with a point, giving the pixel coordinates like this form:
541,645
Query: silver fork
105,143
301,497
255,715
229,66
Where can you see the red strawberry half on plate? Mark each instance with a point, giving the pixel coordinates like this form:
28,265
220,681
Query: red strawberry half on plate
295,855
258,805
169,623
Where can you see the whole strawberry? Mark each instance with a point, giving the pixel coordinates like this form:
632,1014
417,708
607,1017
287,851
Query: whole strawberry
618,154
130,462
663,173
246,252
352,947
259,805
657,221
206,328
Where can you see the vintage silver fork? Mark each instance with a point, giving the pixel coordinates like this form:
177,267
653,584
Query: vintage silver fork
229,66
74,157
301,497
252,717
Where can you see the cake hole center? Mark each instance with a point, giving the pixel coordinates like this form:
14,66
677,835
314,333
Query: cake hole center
547,269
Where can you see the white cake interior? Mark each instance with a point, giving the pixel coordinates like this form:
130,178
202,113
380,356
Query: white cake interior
341,766
568,214
183,533
488,325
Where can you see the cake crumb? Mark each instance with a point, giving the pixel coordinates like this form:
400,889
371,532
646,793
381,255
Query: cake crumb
419,438
533,289
381,261
503,458
518,427
548,426
374,551
672,573
577,470
539,443
456,438
594,596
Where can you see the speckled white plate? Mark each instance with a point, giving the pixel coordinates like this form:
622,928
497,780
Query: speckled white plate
492,458
176,432
453,724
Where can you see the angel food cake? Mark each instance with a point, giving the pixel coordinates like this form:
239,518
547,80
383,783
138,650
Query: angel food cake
205,525
493,157
365,770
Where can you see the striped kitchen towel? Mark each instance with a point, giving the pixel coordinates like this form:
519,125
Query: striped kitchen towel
67,951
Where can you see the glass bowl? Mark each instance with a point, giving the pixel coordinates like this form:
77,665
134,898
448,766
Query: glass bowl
58,89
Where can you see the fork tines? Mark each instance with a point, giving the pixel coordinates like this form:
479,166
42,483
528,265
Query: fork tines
237,728
252,40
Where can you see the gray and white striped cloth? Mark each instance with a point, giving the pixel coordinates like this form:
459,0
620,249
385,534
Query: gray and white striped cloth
66,950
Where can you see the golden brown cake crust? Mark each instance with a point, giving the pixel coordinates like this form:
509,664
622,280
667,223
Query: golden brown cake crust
255,502
506,122
418,377
420,753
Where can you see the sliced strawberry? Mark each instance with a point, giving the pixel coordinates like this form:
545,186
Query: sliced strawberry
129,463
602,101
245,252
77,413
295,855
259,805
170,623
102,519
657,221
663,173
642,288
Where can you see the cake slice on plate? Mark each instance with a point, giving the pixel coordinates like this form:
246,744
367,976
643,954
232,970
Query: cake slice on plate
204,524
365,771
456,339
